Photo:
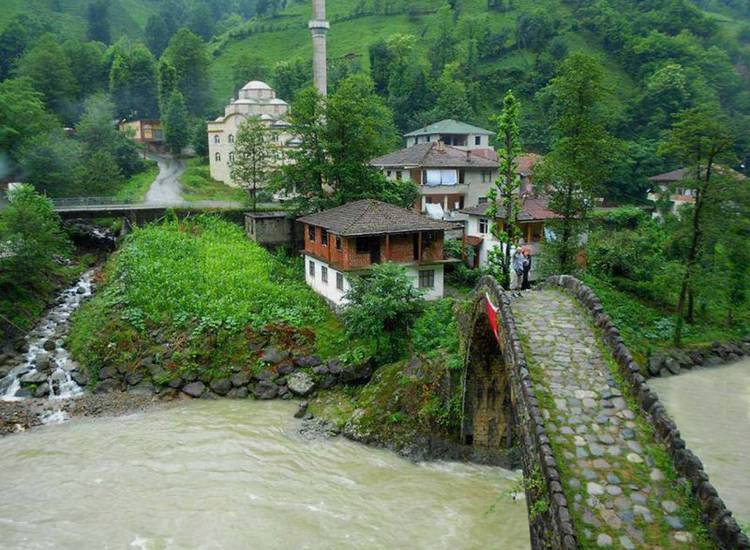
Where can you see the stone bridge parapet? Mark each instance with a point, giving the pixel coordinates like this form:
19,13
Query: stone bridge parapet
549,517
717,518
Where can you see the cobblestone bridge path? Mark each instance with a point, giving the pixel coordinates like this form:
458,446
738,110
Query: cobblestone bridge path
619,481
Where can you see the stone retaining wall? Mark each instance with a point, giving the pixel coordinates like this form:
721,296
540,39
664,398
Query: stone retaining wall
717,518
550,523
678,361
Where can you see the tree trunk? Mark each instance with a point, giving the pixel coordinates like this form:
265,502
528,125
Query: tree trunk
692,255
690,318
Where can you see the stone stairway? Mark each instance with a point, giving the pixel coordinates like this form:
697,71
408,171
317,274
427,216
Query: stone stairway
621,487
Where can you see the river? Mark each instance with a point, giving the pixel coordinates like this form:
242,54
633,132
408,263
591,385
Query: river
237,474
712,410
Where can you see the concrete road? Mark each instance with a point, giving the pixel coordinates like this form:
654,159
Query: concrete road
166,188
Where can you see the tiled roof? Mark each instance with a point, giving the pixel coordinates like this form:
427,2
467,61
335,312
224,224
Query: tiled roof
371,217
449,126
533,209
674,175
434,155
526,163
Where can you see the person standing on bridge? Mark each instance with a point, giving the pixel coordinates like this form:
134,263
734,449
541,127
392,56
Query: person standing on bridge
516,274
525,285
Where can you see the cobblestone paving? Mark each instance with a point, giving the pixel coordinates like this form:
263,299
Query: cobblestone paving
620,500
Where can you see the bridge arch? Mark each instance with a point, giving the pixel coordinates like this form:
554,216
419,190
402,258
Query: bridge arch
500,409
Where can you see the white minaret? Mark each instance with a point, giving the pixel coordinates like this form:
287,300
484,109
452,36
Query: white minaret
319,28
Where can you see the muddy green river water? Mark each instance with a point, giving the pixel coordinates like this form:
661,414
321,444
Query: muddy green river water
712,410
231,474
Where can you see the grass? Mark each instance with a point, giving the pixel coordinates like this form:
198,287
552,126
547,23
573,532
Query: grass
646,328
137,186
198,185
197,293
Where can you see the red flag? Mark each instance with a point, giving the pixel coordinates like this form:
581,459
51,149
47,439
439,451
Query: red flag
492,314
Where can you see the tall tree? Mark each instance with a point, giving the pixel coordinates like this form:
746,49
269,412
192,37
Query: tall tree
176,125
582,155
187,54
167,83
699,139
51,163
17,35
87,61
304,177
254,158
98,21
133,81
22,116
505,193
48,69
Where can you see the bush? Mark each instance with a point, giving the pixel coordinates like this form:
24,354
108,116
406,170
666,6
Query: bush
31,237
383,306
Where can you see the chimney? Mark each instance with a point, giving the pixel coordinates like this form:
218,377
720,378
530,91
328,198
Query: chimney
319,28
440,146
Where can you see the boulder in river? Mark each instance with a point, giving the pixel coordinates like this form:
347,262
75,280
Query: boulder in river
266,390
80,378
194,389
300,383
49,345
221,386
42,361
301,410
34,377
42,390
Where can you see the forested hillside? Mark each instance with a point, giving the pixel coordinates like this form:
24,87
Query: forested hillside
429,59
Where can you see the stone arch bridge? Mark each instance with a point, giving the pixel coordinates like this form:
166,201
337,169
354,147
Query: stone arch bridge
604,466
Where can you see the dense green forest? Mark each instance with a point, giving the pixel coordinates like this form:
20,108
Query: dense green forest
429,59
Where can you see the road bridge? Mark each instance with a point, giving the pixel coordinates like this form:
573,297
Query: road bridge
547,372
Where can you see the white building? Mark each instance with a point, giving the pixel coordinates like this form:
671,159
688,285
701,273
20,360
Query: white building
256,99
532,218
451,132
447,176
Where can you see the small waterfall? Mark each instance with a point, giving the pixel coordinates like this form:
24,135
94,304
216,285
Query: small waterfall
47,364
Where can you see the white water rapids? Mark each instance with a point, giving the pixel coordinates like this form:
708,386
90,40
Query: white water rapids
49,369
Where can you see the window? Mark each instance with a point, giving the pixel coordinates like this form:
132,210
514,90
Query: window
477,140
312,268
482,200
275,138
388,174
340,281
399,175
338,243
428,139
324,237
231,157
363,245
486,176
311,233
441,177
324,274
231,138
427,278
217,139
483,225
218,157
